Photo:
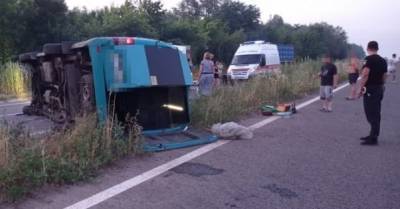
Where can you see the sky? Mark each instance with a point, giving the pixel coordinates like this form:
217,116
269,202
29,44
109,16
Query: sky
363,20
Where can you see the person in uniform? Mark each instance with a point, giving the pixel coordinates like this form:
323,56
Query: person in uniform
373,77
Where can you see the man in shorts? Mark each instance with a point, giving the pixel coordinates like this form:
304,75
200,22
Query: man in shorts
392,67
329,80
352,71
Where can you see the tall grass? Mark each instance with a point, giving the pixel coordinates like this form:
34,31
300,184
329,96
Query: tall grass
77,153
231,102
14,81
65,157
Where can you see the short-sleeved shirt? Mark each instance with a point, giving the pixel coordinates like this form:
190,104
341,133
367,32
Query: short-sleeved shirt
328,71
392,65
377,68
208,67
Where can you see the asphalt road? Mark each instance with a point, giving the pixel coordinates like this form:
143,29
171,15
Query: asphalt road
13,107
11,112
312,161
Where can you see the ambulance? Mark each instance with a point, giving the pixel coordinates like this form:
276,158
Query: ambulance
254,58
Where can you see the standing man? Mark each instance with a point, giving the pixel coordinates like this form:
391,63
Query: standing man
353,71
372,87
329,80
392,67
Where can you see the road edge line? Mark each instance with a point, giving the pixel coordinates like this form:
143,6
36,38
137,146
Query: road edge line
141,178
130,183
14,104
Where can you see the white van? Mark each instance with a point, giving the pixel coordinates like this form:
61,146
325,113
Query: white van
253,58
186,50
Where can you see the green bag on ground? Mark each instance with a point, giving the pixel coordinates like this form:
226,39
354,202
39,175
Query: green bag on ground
268,108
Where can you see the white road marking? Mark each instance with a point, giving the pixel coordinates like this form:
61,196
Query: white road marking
11,114
130,183
14,104
305,104
263,123
302,105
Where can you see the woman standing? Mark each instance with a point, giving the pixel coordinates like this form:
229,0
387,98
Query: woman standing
223,72
216,73
353,69
206,81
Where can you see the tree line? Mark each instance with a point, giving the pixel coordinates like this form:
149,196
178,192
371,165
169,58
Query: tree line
215,25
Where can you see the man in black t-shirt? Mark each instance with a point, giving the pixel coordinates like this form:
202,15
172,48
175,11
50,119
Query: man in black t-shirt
372,87
329,80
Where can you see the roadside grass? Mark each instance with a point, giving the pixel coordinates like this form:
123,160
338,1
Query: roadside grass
65,157
77,153
229,103
14,81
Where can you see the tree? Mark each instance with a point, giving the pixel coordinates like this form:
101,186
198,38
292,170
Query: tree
39,22
190,9
331,40
216,25
187,32
210,7
221,41
125,20
7,10
356,50
277,31
154,11
238,15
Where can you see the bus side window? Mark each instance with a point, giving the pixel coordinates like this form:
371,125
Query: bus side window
118,68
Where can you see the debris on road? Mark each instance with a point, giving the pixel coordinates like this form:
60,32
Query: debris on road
231,130
268,110
284,110
285,114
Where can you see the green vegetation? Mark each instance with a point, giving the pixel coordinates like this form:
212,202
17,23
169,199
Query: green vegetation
229,103
77,153
62,158
215,25
14,82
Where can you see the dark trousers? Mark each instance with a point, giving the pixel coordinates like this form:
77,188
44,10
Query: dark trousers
372,107
224,79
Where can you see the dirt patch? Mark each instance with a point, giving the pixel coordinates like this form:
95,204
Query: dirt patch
197,170
283,192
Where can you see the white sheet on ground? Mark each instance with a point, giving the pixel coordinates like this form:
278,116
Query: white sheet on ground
231,130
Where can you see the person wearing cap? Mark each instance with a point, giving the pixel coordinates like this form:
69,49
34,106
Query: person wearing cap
373,77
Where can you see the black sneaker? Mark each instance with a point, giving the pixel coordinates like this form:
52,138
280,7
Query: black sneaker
365,138
370,141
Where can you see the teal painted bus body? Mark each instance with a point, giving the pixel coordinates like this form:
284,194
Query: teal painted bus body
124,68
135,71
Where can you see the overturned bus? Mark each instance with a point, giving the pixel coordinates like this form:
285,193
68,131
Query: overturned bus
139,77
